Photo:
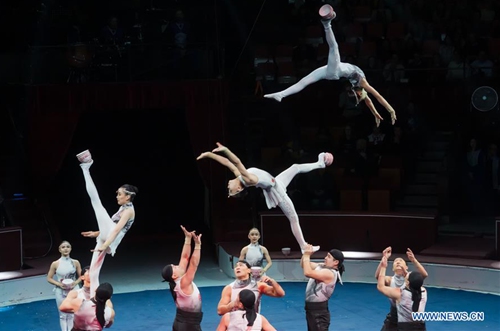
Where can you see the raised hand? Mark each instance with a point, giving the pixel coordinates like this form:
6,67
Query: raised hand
220,148
384,262
308,250
188,234
410,255
387,252
196,238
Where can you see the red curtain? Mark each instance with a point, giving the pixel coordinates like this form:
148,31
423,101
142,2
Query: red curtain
54,112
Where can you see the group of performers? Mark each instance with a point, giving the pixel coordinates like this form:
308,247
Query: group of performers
90,307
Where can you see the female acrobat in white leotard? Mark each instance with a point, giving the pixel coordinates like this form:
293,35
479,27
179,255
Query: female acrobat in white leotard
68,273
111,229
274,188
334,70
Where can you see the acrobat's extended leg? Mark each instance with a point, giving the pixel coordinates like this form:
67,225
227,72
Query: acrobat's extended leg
313,77
332,68
289,210
95,268
287,175
287,206
103,220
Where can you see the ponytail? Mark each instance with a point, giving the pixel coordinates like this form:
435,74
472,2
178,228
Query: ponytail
167,273
416,296
416,280
341,269
99,311
102,294
172,290
247,299
250,315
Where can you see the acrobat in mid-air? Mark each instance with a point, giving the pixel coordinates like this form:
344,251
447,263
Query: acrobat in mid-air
274,188
335,69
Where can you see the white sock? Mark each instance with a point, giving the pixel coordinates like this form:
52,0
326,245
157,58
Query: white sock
276,96
86,165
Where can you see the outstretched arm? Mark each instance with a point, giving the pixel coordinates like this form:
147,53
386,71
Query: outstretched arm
323,275
222,160
186,249
364,84
249,178
413,259
387,254
390,292
373,110
187,280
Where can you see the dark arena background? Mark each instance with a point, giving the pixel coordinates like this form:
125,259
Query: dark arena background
147,86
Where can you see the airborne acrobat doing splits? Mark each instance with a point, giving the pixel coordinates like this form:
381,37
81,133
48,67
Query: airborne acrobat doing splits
274,188
334,70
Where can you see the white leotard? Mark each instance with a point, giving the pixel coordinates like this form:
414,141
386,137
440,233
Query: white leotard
274,191
254,255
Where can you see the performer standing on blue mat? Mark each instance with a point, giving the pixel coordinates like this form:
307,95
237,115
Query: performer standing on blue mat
322,280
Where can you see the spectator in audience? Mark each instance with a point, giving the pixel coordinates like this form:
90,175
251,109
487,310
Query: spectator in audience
446,49
394,71
472,45
179,30
409,48
376,141
487,10
482,66
363,164
112,33
416,65
347,142
381,13
457,69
